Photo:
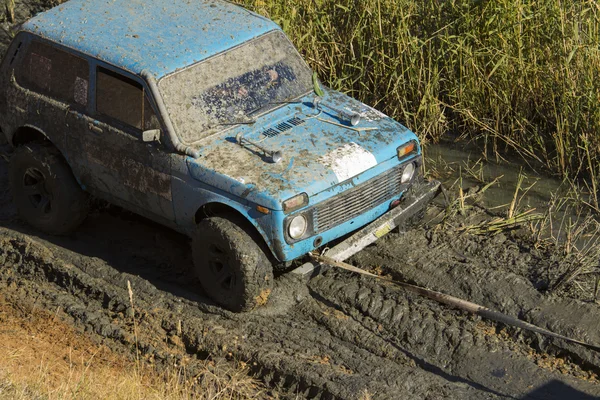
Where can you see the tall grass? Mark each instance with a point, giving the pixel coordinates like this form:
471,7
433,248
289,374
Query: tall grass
521,76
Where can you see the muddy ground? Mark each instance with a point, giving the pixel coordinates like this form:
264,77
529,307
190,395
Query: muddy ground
337,336
340,335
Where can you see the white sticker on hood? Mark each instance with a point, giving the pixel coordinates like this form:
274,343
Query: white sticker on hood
348,161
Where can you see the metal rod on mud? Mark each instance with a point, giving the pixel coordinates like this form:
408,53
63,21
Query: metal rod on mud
455,302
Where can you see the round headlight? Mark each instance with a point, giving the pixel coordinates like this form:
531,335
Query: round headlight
408,173
297,227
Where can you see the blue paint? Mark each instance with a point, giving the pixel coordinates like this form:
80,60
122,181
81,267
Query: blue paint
157,35
226,165
287,252
162,37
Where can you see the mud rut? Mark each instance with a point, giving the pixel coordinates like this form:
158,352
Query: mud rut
333,338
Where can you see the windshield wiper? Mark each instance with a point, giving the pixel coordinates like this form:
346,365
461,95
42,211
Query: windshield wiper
243,122
256,110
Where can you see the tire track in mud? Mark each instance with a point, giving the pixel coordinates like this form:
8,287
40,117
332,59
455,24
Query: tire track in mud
287,351
345,336
443,340
332,338
481,270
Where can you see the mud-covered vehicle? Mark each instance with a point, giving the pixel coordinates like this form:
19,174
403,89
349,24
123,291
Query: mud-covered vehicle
203,117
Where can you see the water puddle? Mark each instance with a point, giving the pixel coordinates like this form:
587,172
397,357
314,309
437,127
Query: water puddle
562,213
453,163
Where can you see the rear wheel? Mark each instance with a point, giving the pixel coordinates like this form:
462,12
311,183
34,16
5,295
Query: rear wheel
232,267
45,192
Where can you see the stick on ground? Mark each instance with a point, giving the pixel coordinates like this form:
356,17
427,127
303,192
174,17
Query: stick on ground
456,302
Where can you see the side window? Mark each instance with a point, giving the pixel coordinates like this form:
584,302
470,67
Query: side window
124,100
55,73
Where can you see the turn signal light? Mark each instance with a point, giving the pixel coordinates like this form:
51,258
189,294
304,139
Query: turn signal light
263,210
407,149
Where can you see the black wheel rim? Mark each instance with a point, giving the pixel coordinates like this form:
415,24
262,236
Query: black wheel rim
36,191
219,265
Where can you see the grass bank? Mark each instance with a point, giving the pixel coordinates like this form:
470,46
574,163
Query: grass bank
42,357
519,75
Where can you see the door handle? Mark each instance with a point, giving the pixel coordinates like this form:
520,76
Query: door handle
94,128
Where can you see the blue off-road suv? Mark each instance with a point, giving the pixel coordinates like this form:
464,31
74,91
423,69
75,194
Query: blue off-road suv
202,116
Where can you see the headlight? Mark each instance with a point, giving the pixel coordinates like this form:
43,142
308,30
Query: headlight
295,203
297,227
407,149
408,173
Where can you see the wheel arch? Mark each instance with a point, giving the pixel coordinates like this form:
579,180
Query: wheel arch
219,209
28,134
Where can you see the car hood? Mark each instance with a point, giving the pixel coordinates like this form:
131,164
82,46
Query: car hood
319,150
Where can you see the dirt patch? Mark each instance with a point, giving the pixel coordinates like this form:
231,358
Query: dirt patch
340,336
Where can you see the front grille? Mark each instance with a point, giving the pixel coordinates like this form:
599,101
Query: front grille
354,202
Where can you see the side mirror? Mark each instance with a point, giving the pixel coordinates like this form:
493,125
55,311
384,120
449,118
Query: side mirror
150,136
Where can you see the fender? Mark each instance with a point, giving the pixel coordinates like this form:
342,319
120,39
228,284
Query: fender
28,133
205,197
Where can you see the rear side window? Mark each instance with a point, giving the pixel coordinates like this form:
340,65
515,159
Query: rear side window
55,73
123,99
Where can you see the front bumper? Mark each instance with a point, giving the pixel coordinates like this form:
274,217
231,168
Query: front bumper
417,198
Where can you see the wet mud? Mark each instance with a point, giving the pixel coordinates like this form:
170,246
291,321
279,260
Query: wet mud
339,336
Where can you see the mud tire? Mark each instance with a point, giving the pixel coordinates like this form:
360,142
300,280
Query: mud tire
231,265
45,192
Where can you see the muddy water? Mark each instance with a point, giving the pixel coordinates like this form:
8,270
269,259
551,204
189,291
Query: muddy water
500,186
453,163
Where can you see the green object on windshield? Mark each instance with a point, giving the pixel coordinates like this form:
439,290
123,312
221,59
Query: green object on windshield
317,85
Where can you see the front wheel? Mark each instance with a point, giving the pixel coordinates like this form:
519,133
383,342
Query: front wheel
232,267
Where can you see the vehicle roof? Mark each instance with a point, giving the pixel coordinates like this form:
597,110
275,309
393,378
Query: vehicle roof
157,35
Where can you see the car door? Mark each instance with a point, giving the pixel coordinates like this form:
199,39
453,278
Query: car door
122,168
51,89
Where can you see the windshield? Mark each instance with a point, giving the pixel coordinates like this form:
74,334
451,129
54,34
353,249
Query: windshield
233,86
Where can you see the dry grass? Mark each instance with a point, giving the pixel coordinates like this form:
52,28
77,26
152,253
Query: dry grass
9,10
44,358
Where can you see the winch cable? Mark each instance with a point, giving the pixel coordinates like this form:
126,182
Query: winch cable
454,302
